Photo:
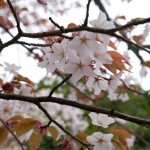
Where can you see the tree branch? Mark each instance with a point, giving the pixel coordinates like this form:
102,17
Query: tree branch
15,16
113,113
87,13
58,85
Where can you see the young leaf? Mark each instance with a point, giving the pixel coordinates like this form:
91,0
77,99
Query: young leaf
2,3
15,118
35,140
71,25
112,45
121,133
82,137
147,63
115,55
53,131
24,126
117,143
24,79
3,134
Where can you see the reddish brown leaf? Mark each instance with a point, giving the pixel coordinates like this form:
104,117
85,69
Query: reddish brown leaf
111,67
118,144
115,55
24,126
120,65
137,39
35,140
82,137
2,3
3,134
16,118
24,79
112,45
121,17
121,133
147,63
53,131
71,25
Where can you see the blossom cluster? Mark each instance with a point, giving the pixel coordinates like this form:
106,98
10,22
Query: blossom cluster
83,56
98,139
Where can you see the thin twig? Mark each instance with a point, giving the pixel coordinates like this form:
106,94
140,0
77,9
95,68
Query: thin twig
20,144
15,16
130,42
60,126
87,13
33,44
58,85
61,28
74,87
132,90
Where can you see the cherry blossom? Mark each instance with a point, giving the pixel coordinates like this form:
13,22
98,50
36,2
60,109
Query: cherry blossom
115,80
84,43
59,54
101,119
12,68
78,68
102,23
47,63
100,141
25,90
145,33
130,141
97,84
100,56
124,97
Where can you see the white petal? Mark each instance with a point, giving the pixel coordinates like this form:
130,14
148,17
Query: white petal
90,82
93,140
107,137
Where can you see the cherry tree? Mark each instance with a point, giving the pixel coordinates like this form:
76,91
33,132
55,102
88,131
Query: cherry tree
84,66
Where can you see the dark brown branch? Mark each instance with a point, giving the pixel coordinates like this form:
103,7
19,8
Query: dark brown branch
135,91
67,30
60,126
33,44
137,120
15,16
131,24
87,13
12,41
61,28
130,42
58,85
20,144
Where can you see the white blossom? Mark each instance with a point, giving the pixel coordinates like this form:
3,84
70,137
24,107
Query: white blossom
101,119
97,84
102,23
115,80
47,63
12,68
100,141
78,67
101,56
84,43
